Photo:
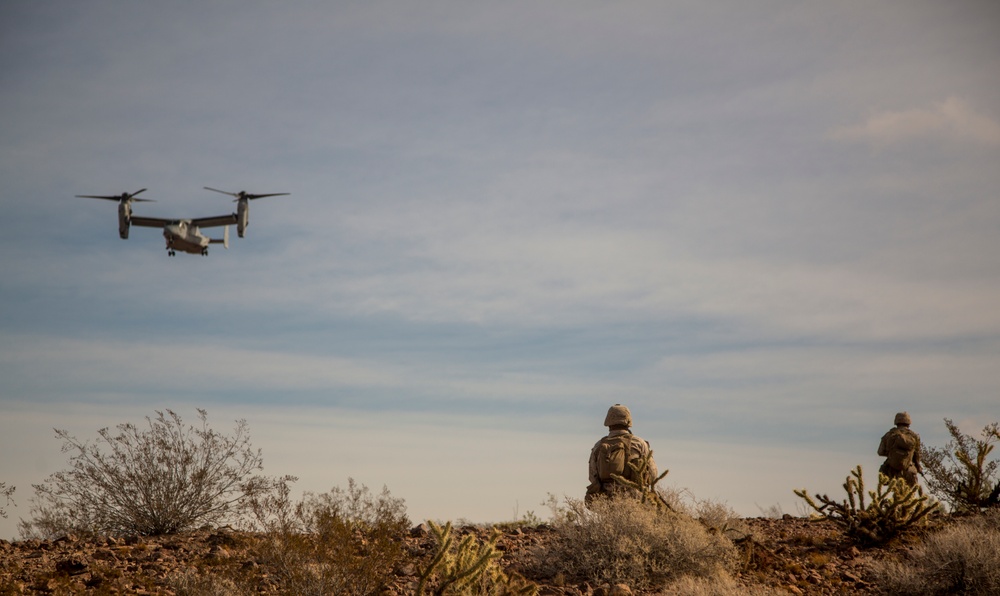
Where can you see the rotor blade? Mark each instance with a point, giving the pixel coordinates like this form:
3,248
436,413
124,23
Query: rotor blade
144,200
232,194
114,198
137,192
273,194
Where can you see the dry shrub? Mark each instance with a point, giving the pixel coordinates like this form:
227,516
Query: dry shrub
6,492
963,558
721,586
714,514
621,540
159,479
192,583
339,542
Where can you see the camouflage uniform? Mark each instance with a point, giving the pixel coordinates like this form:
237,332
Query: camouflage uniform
903,445
619,417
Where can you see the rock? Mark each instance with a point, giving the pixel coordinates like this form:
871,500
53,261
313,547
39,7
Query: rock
71,566
615,590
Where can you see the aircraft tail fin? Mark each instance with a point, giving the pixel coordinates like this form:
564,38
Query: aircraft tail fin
224,241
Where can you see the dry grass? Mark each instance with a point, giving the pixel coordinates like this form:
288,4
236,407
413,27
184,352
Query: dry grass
720,586
961,559
623,541
339,542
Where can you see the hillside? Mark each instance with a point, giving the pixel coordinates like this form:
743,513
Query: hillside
790,555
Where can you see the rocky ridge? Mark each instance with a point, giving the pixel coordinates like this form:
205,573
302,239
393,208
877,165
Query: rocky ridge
790,555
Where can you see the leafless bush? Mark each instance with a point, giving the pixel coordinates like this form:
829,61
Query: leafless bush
963,558
147,481
960,474
6,492
772,511
622,540
339,542
714,514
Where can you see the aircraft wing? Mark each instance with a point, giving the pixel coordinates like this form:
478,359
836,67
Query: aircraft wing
218,220
150,222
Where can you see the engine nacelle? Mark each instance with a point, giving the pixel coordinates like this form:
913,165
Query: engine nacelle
242,216
124,219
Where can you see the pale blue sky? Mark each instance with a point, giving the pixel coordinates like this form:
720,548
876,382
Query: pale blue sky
764,226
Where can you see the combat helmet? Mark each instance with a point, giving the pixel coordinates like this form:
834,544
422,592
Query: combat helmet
902,418
618,414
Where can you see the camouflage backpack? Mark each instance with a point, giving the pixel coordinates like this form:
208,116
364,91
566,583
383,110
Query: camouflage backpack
901,445
613,455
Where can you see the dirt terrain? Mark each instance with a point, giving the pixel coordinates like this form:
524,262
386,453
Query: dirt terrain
790,555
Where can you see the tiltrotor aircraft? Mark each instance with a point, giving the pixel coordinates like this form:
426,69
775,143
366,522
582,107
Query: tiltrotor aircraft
185,234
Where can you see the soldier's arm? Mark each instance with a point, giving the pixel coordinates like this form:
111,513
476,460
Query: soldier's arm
592,467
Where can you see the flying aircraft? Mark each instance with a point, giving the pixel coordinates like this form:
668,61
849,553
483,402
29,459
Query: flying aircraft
184,234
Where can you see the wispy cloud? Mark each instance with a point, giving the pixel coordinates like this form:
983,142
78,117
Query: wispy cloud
950,120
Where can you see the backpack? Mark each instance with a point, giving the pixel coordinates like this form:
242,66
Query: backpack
900,447
613,455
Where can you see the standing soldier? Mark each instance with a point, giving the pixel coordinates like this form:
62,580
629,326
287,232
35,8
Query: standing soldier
613,453
901,449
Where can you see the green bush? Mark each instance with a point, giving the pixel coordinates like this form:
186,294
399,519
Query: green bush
635,542
894,508
963,558
161,479
960,474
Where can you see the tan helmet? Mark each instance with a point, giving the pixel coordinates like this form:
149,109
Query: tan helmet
618,414
903,418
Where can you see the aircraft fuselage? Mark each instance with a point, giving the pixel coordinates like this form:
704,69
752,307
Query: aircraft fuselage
185,237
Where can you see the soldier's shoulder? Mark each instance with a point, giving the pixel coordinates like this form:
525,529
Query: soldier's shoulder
638,439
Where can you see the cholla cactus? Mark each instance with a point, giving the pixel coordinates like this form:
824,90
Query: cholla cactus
960,474
647,492
894,508
469,568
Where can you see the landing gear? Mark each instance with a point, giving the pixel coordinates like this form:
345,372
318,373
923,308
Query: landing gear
170,252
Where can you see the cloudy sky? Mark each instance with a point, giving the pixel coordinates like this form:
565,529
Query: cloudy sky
764,226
